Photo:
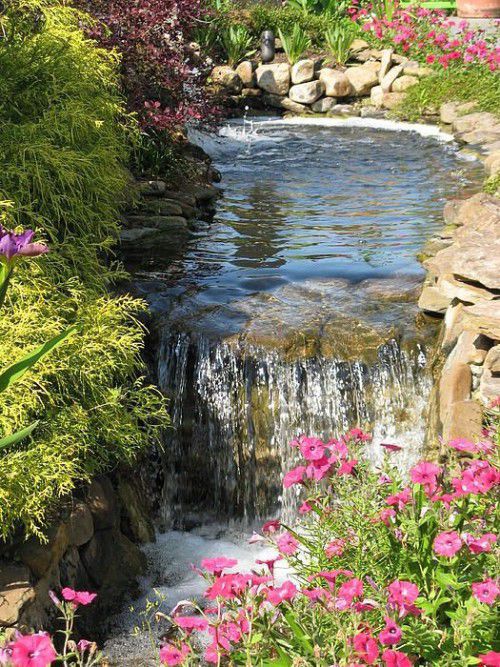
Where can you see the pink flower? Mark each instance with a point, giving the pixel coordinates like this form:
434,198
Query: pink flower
366,647
387,515
490,659
33,651
271,527
305,508
294,476
335,548
228,586
172,655
287,544
287,591
447,544
482,544
270,562
350,590
425,473
217,565
391,634
347,467
312,449
318,470
315,594
83,645
83,598
462,445
486,591
390,447
400,499
357,434
190,623
402,592
393,658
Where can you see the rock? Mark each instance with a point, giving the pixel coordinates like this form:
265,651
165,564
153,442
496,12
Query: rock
453,325
80,525
162,222
491,147
385,63
454,385
343,110
471,348
489,385
385,100
113,563
359,45
390,78
15,592
464,421
39,556
306,93
481,136
363,78
137,520
492,163
492,360
103,504
399,59
249,93
280,102
362,56
274,79
152,188
475,252
451,211
372,111
336,83
453,288
481,120
302,71
404,83
324,104
160,207
130,236
418,71
450,111
246,73
227,78
484,318
432,301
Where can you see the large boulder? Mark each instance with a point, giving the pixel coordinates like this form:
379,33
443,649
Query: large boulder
363,78
450,111
433,301
227,78
302,71
103,504
306,93
492,163
245,71
336,83
483,318
40,556
283,102
80,525
464,420
403,83
324,105
274,78
383,99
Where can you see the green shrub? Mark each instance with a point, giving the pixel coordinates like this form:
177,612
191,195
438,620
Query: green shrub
295,44
475,84
338,39
268,17
63,138
237,43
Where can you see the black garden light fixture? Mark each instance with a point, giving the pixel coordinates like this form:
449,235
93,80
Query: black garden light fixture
267,46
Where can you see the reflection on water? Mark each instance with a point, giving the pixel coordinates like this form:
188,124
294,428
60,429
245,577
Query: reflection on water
306,202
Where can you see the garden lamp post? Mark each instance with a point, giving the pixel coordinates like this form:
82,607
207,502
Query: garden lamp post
268,46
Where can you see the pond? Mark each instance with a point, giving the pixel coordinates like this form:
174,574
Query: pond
293,311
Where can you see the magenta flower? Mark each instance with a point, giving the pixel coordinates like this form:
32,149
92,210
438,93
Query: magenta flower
33,651
390,447
463,445
312,449
14,245
366,647
190,623
287,591
173,655
270,562
350,589
271,527
391,633
486,591
490,659
393,658
335,548
228,586
347,467
425,473
83,645
402,592
482,544
287,544
447,544
217,565
77,598
400,499
294,476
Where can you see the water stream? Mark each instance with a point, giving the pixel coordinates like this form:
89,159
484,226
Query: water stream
294,311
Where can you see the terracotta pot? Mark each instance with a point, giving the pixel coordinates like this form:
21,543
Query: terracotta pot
474,9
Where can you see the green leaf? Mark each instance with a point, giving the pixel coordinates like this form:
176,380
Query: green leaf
17,370
299,633
14,438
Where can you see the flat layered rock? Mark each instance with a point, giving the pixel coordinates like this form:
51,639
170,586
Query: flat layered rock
363,78
481,120
483,318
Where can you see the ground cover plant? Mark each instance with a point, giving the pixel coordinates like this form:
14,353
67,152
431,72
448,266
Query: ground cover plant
383,571
63,139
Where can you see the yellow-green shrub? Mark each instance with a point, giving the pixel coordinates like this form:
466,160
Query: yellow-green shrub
63,146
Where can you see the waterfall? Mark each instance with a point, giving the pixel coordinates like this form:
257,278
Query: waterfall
236,407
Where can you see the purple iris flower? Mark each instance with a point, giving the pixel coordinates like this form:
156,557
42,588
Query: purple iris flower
12,245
